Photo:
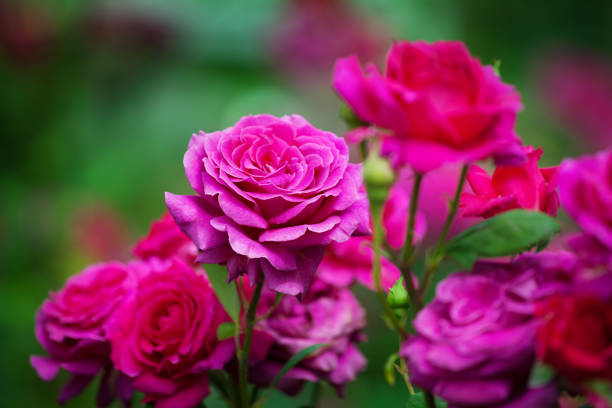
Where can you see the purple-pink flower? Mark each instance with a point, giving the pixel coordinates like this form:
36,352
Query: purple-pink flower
272,193
521,186
165,240
585,187
328,315
72,325
165,337
440,102
475,342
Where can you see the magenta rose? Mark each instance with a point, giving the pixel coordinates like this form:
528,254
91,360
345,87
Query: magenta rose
327,314
522,186
165,240
272,193
585,187
350,261
475,342
72,326
165,337
441,103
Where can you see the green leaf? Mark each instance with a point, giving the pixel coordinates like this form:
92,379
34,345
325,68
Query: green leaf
226,292
602,388
509,233
292,362
398,296
226,330
418,401
541,374
496,67
295,360
350,118
389,369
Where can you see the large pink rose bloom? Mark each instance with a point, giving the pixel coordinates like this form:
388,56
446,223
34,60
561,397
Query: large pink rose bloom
585,187
327,314
72,325
442,104
272,193
475,342
165,240
523,186
165,337
350,261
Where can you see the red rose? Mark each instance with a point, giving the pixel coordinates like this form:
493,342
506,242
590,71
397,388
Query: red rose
576,336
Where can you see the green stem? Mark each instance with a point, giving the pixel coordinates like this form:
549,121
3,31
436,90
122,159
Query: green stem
377,237
430,402
408,249
434,261
243,354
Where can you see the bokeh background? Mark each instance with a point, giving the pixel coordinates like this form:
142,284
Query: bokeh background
99,98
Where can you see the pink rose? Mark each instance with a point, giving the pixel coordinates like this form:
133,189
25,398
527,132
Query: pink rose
165,337
72,325
165,240
326,314
272,193
440,102
350,261
585,187
526,186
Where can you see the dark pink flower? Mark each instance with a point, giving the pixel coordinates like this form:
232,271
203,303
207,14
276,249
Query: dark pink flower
165,337
272,193
165,240
327,314
525,186
475,342
585,187
72,326
440,102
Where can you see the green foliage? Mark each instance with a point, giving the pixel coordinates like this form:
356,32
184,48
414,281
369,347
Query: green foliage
398,296
350,118
292,362
227,294
509,233
541,374
389,369
602,388
418,401
226,330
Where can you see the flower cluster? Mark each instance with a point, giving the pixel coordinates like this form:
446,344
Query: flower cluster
281,219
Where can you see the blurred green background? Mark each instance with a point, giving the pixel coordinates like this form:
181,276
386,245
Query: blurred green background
98,100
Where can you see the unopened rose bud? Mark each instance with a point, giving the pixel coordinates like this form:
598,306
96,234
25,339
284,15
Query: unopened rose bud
378,176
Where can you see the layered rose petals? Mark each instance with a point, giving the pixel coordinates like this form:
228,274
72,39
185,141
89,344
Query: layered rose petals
72,325
165,337
271,194
475,341
523,186
440,102
327,315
